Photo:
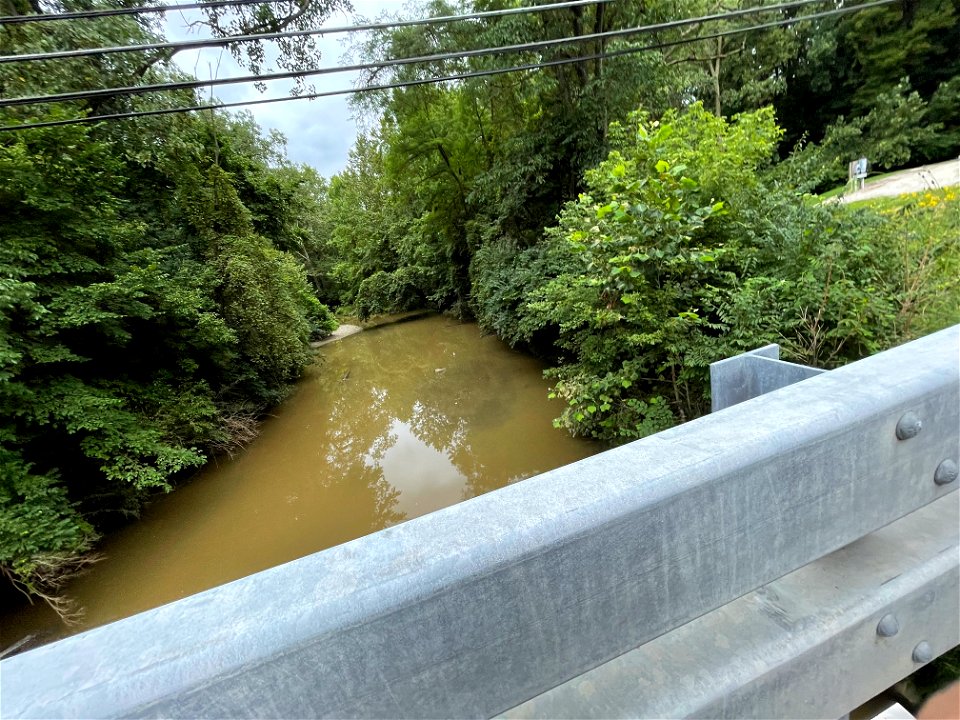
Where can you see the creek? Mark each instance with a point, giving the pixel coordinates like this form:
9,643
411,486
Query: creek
388,425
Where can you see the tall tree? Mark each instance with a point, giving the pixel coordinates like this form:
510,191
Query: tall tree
146,312
492,158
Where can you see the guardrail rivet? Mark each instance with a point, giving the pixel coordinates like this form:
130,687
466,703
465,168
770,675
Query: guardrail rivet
946,472
908,426
923,653
889,626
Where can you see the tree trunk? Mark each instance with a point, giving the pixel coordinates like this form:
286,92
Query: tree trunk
715,72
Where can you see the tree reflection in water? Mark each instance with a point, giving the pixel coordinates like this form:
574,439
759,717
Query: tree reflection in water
390,424
437,416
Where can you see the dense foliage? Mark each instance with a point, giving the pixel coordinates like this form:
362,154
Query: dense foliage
681,256
631,219
450,169
692,240
445,202
881,83
149,310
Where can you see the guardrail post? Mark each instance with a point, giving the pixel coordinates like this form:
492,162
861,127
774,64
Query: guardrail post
751,374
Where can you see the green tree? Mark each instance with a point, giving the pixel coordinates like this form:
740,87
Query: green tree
493,159
147,310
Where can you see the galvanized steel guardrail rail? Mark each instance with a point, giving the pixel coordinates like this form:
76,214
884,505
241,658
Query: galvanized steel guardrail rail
706,570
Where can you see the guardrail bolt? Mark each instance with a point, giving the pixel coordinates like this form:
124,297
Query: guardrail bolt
889,626
908,426
923,653
946,472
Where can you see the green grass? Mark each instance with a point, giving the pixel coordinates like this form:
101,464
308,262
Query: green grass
885,205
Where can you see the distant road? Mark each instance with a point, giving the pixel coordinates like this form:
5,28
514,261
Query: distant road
925,177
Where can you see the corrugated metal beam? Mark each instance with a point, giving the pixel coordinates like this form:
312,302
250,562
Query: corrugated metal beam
752,374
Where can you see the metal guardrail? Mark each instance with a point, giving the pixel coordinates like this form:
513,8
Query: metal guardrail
816,643
476,609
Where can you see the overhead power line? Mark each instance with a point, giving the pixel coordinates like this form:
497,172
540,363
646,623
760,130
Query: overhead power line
179,45
456,77
220,42
141,10
313,72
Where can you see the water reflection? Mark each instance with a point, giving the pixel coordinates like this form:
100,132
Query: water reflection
392,424
446,415
422,475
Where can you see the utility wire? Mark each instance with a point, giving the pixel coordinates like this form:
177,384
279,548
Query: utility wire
141,10
179,45
448,78
439,57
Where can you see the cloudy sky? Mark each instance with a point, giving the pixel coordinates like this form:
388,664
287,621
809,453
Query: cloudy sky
319,132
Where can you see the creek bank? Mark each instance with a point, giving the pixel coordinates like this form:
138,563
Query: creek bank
349,328
341,332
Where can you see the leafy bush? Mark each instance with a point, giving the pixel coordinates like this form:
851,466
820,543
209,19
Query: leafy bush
136,333
503,278
42,536
684,254
322,321
632,314
389,292
266,303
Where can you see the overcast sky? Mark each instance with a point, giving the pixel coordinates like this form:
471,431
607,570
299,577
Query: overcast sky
319,132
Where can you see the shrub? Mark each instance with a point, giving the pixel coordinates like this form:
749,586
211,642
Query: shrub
684,254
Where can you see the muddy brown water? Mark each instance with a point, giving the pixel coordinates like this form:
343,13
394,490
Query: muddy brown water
391,424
